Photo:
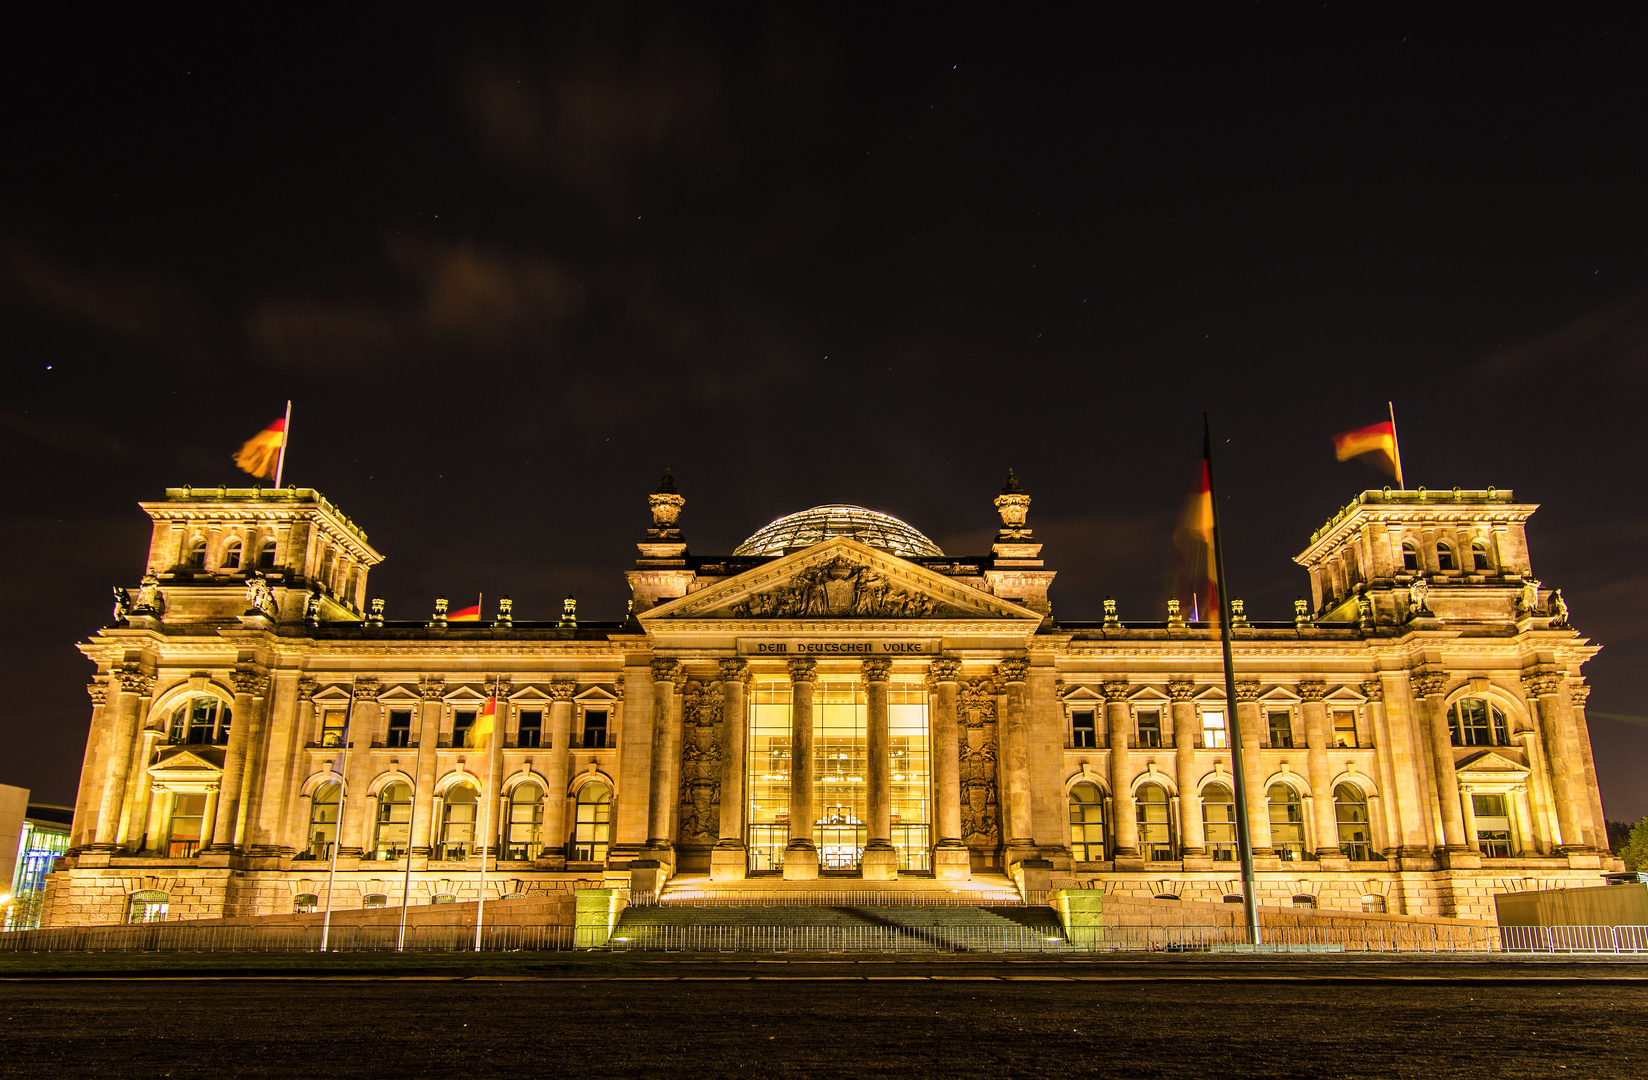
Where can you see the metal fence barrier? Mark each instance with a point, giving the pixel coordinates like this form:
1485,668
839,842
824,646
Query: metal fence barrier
182,937
854,898
833,939
1575,939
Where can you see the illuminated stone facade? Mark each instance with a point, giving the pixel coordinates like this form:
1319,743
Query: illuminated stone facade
840,698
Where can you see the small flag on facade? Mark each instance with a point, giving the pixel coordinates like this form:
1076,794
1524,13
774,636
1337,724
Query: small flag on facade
1377,439
468,614
261,454
480,732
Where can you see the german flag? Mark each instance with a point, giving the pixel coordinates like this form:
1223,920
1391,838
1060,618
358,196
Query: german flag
1194,538
480,732
261,454
468,614
1377,438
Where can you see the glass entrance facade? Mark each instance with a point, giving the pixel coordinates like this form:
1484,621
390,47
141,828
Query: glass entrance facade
840,770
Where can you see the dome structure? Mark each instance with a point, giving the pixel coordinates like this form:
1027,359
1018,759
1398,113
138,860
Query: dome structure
796,531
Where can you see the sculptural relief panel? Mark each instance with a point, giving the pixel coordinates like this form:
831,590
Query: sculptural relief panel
700,795
980,806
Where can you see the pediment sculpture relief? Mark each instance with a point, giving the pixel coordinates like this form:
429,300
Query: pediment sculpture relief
838,587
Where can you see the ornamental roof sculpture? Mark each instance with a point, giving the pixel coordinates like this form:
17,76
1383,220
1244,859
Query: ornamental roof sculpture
802,530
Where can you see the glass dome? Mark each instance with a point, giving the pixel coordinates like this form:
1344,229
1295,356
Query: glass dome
796,531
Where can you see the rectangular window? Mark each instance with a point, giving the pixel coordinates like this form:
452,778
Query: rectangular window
331,727
400,728
529,731
1281,729
1213,730
911,768
462,721
1083,731
769,773
1150,728
1493,825
1344,728
188,812
595,729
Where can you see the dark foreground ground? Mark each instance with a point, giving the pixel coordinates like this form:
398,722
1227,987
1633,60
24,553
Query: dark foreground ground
600,1017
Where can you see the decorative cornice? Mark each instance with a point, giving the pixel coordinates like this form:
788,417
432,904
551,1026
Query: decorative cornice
1011,670
562,689
1313,690
877,669
944,669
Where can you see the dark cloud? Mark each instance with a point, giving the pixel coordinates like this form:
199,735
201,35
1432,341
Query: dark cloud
1611,340
137,308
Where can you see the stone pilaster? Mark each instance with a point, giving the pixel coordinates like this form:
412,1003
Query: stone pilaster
359,814
432,689
880,859
729,859
281,745
1125,826
84,827
250,688
1253,768
1577,693
1546,690
951,860
1374,689
556,768
1185,737
801,854
134,833
1317,769
1409,758
130,705
665,763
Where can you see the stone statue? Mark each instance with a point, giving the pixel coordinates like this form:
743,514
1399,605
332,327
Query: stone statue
1419,594
1559,610
1364,609
122,605
260,599
311,609
1528,601
150,600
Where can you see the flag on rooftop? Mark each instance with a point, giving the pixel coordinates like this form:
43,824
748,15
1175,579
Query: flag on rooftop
1378,439
261,454
468,614
1194,538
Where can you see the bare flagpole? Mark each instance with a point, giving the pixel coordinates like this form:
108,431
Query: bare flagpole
337,835
285,437
486,817
1396,447
1244,840
411,829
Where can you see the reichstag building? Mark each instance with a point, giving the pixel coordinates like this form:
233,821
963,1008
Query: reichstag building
836,696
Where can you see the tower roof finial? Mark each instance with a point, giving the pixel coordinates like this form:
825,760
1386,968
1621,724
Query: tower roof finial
1012,486
666,486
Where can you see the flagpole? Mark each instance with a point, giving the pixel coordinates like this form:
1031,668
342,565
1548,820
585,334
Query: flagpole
337,839
486,820
1244,841
285,437
1396,447
411,829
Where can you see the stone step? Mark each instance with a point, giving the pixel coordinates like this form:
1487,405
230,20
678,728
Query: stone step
892,928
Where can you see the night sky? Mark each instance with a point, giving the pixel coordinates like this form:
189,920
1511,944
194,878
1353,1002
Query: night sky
510,266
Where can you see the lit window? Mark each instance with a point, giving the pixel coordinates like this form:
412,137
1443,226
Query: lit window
400,728
1493,825
1410,558
1287,823
304,903
147,906
592,823
529,729
331,727
595,729
266,555
188,817
1479,557
1213,730
1219,822
1444,558
1150,728
394,825
1304,900
201,721
1281,729
231,555
1478,722
1084,732
1344,729
1233,898
524,834
1155,823
375,900
458,822
462,721
195,557
1350,809
323,822
1086,823
1373,904
443,898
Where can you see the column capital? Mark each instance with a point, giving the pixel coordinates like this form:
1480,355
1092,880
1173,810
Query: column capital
250,683
133,681
368,686
562,689
1313,690
1542,683
734,669
1011,670
803,669
1180,689
664,669
307,688
432,687
1115,690
1577,693
944,669
98,691
1374,689
877,669
1429,683
1247,691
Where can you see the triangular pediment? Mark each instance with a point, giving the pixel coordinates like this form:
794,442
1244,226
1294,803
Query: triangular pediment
839,579
1490,762
185,772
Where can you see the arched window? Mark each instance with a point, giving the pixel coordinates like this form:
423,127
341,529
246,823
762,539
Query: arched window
194,557
394,832
1155,823
1287,822
458,823
1444,559
266,555
1219,822
1350,809
1479,557
304,903
592,823
231,555
323,821
376,900
1410,557
1233,898
1086,823
1478,722
147,906
1167,896
525,833
201,720
1304,900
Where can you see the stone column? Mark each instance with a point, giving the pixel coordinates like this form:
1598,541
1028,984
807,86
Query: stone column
282,728
880,859
494,821
85,803
556,770
255,770
357,829
1125,826
1315,714
134,825
1253,769
951,859
1015,759
250,687
1523,814
432,688
1468,811
1539,799
729,859
801,855
1577,693
1428,688
134,690
1408,755
661,792
160,823
1380,726
1185,732
1547,690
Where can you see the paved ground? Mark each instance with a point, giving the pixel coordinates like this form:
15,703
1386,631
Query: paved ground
1168,1018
